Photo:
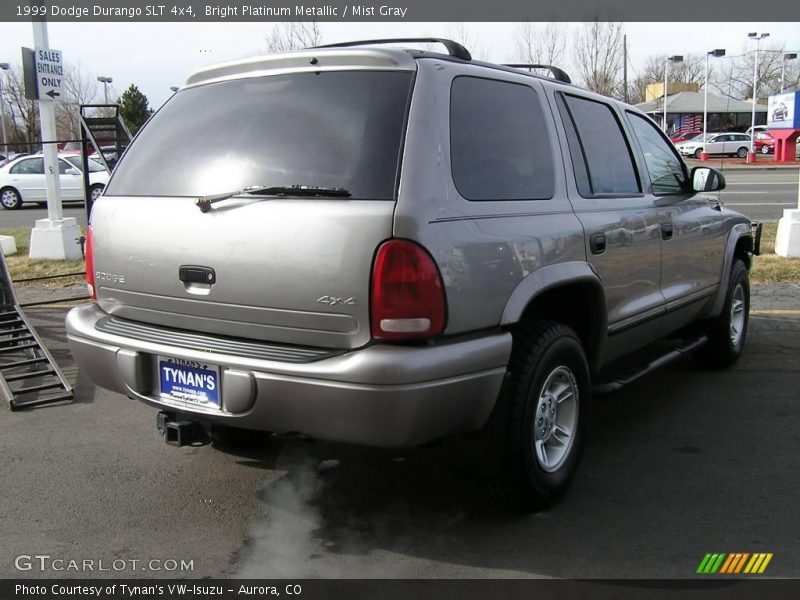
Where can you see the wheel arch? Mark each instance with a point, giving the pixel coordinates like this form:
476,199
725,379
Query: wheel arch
738,246
569,293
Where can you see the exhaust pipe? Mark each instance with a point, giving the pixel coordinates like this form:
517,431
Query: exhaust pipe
180,432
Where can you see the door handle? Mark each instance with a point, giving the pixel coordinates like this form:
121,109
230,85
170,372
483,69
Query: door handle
666,231
597,243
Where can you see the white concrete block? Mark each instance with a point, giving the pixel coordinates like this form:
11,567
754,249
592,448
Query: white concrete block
8,244
57,240
787,240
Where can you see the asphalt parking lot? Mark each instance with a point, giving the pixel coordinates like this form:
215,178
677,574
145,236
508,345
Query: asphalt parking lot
681,463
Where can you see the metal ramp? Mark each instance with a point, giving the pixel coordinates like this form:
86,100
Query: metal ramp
28,374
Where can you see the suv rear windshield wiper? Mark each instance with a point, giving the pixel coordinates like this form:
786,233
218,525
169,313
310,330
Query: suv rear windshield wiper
204,203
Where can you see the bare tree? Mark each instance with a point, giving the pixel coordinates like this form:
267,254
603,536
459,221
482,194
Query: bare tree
598,56
294,35
23,114
545,44
690,70
79,88
739,81
461,33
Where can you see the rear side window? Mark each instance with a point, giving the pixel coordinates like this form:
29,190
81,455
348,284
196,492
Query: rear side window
499,146
327,129
667,173
600,154
30,166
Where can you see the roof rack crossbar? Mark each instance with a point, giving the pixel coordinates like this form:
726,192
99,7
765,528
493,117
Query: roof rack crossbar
453,48
558,74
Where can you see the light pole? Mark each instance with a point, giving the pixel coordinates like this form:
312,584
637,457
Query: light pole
751,157
5,67
716,53
105,81
676,59
788,56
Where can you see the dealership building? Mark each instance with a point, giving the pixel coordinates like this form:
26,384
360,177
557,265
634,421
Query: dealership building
685,112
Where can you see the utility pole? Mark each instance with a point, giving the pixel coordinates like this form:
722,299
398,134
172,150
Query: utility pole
625,67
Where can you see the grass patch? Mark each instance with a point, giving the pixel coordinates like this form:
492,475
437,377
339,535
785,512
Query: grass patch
22,267
769,267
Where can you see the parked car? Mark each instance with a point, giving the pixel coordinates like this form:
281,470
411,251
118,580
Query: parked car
677,138
74,148
389,247
726,144
764,143
757,128
22,180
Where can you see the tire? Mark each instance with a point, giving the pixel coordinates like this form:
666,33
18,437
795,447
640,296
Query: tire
742,152
536,459
764,149
698,153
10,198
727,333
95,191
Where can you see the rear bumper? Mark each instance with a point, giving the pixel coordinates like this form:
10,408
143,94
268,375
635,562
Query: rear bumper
381,395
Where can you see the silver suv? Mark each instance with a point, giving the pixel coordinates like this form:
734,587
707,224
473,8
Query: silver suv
390,247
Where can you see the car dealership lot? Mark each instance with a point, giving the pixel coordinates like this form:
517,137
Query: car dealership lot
759,193
682,463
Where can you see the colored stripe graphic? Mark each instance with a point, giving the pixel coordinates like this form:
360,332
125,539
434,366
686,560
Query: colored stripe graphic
734,563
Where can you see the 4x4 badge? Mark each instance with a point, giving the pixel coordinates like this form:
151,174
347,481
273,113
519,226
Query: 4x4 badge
334,300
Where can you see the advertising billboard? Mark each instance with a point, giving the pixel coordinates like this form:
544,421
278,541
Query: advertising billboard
783,111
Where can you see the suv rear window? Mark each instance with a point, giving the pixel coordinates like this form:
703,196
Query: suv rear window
499,145
328,129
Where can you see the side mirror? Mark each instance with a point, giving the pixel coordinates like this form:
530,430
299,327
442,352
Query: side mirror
73,171
706,179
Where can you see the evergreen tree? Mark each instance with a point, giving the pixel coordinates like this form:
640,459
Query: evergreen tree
134,109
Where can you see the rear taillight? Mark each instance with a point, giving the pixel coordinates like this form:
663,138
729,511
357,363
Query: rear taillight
407,293
90,263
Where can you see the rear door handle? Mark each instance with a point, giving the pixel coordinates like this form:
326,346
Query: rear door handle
597,243
666,231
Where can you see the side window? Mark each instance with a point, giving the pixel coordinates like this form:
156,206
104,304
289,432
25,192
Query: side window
499,145
30,166
63,166
667,173
600,154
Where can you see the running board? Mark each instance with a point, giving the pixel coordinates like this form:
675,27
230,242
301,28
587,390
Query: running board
661,361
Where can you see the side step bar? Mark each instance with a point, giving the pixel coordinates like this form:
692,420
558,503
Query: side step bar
661,361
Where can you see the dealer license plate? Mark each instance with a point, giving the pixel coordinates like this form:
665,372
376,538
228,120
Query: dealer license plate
189,381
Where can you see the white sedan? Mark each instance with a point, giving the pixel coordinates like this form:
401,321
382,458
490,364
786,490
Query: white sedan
22,180
731,144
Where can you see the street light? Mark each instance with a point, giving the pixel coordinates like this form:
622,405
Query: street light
4,67
677,58
751,157
788,56
105,81
716,53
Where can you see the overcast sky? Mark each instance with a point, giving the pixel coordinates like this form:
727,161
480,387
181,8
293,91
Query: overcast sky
157,56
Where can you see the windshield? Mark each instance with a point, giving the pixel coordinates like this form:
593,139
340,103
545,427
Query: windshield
329,129
76,162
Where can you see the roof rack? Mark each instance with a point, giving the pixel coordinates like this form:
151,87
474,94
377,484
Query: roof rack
453,48
558,74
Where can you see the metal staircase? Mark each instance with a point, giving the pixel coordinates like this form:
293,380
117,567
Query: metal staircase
103,129
28,374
